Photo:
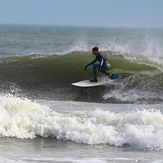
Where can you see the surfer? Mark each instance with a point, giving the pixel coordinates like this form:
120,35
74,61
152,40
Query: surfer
102,67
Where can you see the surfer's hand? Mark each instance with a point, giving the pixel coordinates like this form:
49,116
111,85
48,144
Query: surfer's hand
85,68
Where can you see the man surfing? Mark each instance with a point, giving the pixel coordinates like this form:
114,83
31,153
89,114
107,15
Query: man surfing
102,66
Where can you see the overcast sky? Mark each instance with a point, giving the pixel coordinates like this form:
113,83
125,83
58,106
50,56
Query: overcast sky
114,13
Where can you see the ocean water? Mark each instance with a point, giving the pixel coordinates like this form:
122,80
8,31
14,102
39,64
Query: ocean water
45,119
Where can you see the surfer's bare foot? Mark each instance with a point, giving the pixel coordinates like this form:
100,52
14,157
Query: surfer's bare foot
93,80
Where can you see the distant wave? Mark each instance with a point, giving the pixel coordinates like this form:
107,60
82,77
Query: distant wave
26,40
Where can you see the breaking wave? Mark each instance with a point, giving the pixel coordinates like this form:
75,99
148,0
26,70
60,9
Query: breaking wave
52,76
23,118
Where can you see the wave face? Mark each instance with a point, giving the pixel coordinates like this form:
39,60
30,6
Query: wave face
50,77
22,118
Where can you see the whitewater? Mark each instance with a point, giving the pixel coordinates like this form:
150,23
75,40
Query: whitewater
26,119
45,119
136,128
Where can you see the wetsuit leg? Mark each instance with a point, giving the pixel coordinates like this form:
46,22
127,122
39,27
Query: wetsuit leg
101,69
104,71
95,67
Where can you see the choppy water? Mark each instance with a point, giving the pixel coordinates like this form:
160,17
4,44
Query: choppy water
42,113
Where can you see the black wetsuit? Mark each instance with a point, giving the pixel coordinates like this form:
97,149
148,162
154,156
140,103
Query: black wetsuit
102,67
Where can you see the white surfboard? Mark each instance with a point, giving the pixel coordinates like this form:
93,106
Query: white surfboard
87,83
101,81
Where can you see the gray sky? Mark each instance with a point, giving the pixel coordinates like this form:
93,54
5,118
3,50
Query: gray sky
114,13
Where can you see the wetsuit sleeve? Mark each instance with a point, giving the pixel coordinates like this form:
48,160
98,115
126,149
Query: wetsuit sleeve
92,62
101,59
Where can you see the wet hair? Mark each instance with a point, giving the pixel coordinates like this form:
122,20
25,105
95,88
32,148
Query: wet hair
95,49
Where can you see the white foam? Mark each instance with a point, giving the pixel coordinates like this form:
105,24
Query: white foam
73,160
23,118
132,95
10,160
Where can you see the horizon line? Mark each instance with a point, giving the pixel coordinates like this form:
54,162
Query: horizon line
79,26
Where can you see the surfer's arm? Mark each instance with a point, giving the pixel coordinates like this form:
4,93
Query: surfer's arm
89,64
92,62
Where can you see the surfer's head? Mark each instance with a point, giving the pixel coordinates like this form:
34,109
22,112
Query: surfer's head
94,50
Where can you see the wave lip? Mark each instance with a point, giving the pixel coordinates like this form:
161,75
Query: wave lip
22,118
